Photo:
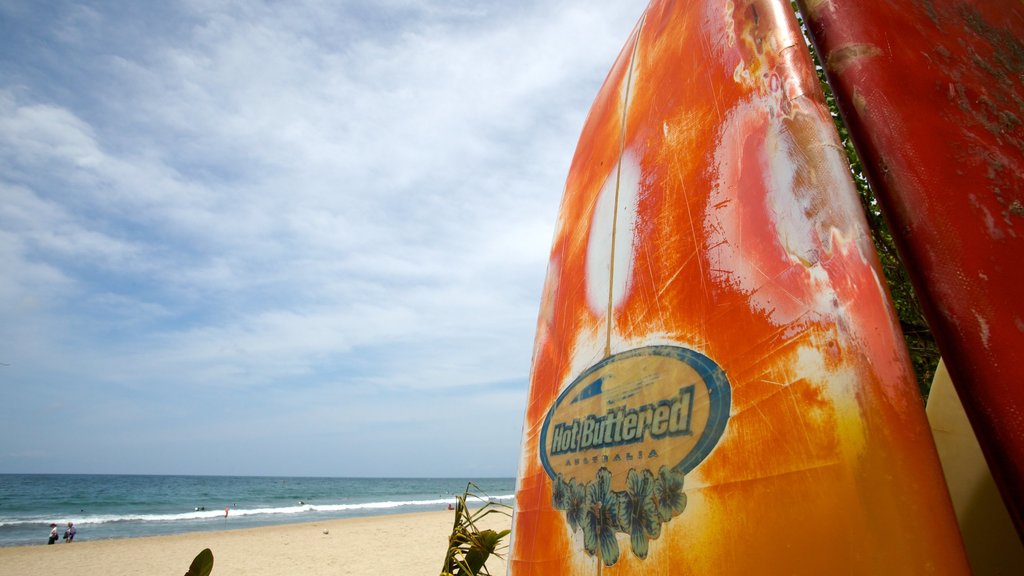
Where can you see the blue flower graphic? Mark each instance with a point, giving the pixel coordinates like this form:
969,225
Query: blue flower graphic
558,493
668,492
601,518
640,518
575,500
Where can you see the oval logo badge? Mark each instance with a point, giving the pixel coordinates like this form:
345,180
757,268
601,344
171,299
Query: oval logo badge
620,438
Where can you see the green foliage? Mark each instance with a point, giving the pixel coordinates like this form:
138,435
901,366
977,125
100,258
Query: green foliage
924,353
468,546
202,565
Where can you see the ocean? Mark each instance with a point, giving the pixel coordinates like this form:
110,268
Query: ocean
118,506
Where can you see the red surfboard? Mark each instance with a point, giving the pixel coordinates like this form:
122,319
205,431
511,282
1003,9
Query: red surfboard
719,384
933,94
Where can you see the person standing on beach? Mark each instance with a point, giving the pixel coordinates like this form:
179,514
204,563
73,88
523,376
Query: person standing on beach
69,534
53,533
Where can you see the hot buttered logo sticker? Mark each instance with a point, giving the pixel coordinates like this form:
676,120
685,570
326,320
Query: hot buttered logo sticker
619,440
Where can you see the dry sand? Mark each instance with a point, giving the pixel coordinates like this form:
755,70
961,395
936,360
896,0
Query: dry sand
406,544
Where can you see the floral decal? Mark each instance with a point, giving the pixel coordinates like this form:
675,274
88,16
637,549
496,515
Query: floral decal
601,519
558,493
640,511
668,493
575,500
601,512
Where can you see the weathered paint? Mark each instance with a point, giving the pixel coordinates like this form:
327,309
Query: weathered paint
934,99
709,216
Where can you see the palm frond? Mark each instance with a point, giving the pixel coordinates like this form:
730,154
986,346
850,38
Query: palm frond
468,546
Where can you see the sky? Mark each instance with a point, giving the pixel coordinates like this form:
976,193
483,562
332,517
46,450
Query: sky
282,238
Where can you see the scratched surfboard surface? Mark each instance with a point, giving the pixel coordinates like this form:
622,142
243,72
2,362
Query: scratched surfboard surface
933,94
718,384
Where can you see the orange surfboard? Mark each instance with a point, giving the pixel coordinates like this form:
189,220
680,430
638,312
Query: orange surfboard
719,385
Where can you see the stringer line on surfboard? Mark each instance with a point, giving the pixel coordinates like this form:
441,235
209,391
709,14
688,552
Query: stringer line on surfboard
618,183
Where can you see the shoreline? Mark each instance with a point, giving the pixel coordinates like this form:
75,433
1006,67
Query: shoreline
409,543
104,506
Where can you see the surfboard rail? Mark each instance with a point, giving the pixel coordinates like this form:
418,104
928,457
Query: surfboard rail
933,95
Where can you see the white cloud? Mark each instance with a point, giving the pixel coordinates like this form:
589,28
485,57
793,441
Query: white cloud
279,200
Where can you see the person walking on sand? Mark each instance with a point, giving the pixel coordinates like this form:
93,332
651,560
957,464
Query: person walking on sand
69,534
53,533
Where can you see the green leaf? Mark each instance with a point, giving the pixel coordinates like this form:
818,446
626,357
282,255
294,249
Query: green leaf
468,546
202,565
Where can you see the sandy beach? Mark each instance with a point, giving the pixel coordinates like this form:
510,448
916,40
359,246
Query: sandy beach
407,544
